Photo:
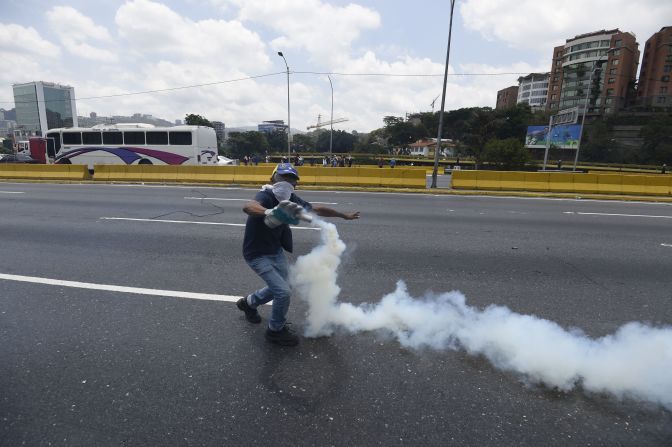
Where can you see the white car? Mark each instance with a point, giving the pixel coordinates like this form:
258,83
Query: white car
222,160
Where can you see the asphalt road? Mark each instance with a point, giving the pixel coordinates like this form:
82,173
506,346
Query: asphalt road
80,366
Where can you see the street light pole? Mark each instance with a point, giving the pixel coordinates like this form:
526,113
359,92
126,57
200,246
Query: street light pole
289,125
331,125
443,99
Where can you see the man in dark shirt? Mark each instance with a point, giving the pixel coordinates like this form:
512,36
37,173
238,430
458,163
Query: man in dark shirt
267,237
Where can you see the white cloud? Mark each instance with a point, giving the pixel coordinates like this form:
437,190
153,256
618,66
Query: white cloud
154,30
327,32
541,25
21,40
76,30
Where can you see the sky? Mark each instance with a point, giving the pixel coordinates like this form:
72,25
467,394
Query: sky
218,58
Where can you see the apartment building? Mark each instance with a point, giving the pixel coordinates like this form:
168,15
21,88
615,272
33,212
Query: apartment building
507,97
600,66
654,85
533,90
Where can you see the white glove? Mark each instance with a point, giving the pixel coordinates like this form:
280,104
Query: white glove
285,213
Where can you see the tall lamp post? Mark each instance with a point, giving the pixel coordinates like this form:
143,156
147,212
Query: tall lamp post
331,124
289,126
443,99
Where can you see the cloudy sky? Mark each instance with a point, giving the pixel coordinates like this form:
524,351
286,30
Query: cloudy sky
386,56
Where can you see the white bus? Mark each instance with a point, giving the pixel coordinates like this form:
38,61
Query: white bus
132,143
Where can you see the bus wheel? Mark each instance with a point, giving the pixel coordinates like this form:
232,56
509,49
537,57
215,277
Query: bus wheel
144,161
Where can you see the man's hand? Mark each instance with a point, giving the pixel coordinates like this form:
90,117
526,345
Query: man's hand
351,216
285,213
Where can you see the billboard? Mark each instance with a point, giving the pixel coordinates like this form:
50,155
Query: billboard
565,136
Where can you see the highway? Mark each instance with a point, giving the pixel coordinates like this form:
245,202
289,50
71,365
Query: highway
115,361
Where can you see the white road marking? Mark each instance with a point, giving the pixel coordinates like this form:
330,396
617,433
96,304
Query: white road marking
12,192
191,222
122,289
247,200
215,198
618,215
666,245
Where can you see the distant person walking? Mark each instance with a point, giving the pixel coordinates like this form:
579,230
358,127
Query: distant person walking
663,170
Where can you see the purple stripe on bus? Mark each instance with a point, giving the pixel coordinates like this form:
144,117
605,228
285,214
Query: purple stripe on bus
129,155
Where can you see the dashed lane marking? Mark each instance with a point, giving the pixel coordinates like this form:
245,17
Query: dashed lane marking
122,289
617,215
191,222
12,192
246,200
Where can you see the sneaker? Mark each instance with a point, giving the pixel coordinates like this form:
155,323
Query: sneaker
251,313
283,337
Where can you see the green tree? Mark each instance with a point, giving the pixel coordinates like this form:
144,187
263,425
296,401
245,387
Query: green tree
196,120
342,141
240,144
657,147
303,142
277,141
481,127
401,133
508,154
597,142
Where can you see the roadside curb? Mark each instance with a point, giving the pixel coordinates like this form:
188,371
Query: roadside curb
449,192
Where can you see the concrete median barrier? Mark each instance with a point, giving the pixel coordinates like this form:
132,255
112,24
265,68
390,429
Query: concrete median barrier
44,172
560,182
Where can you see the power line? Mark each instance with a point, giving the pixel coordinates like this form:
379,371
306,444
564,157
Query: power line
257,77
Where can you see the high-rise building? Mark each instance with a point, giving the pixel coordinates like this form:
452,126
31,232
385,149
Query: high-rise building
600,66
272,126
533,90
44,105
219,130
506,98
654,85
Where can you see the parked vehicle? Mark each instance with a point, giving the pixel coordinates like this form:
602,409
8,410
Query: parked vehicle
18,158
223,161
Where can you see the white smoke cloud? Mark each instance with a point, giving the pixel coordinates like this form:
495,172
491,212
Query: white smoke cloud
634,362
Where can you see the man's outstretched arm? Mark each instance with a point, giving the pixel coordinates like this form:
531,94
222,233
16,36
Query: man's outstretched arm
325,211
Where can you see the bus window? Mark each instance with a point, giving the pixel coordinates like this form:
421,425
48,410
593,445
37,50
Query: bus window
51,151
134,137
180,138
157,137
72,138
91,138
114,137
55,139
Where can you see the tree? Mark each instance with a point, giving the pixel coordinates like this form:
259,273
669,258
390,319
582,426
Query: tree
277,141
196,120
240,144
480,128
401,133
303,142
508,154
342,141
657,134
597,142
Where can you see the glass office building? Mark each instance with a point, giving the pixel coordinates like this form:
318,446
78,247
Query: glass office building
41,106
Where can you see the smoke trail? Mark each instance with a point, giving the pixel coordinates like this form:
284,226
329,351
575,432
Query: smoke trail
635,361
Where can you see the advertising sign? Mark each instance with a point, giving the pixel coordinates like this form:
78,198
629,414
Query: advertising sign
565,136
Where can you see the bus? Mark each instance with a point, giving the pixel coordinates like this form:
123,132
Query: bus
132,143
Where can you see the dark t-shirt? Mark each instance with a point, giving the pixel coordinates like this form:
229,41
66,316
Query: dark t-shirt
259,239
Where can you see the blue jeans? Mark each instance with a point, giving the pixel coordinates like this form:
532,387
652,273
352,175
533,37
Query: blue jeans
273,270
